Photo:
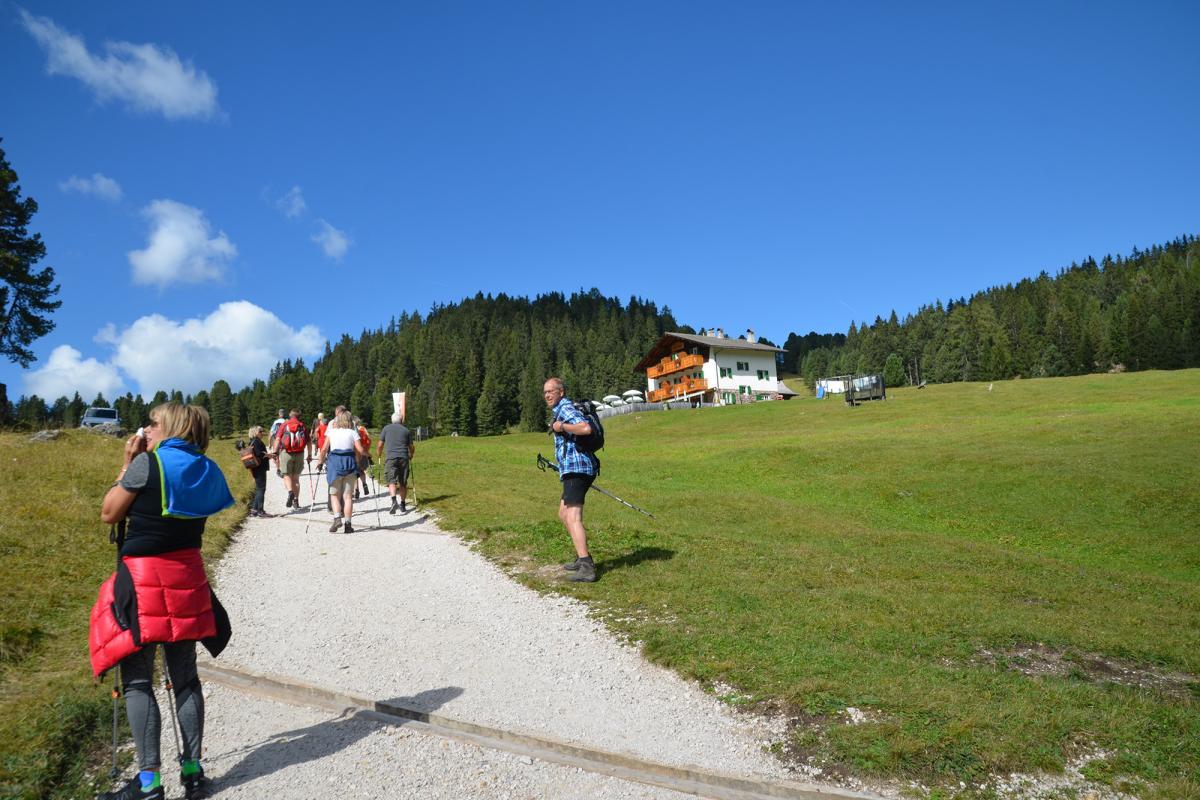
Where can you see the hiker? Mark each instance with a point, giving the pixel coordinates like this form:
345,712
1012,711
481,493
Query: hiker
291,441
340,455
576,470
166,490
318,436
397,441
280,418
259,473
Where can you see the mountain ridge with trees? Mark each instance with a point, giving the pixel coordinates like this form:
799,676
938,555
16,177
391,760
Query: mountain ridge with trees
476,367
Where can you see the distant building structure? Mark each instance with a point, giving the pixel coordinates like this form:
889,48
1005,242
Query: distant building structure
712,368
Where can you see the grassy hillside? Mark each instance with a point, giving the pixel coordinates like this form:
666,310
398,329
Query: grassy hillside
1000,580
54,553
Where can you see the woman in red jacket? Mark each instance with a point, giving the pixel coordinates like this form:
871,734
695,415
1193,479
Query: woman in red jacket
166,490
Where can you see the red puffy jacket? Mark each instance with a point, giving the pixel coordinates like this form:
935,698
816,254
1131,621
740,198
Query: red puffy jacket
151,599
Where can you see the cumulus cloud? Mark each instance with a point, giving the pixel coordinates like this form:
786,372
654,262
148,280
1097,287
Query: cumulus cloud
179,248
292,204
238,342
144,76
99,185
335,243
66,372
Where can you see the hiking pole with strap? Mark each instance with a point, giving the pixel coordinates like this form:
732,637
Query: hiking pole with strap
543,463
412,476
312,501
116,535
170,685
375,488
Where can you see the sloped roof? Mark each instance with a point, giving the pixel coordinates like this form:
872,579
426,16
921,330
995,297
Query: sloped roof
662,346
785,391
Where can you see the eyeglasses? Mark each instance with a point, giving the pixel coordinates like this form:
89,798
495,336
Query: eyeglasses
151,424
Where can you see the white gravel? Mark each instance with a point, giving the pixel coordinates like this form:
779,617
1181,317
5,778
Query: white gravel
411,614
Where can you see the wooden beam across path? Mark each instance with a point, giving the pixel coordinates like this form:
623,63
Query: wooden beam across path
689,780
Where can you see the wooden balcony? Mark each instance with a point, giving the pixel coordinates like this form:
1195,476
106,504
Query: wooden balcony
671,390
669,365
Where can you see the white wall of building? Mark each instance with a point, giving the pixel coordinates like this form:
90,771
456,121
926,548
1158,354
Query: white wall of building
745,366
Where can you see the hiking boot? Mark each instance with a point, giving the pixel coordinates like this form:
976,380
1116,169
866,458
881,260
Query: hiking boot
395,506
403,507
133,791
585,572
337,523
355,492
289,500
571,566
348,529
194,786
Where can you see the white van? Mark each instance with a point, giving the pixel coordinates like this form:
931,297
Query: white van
99,416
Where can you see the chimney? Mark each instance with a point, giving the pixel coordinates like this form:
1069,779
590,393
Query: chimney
750,337
712,332
720,333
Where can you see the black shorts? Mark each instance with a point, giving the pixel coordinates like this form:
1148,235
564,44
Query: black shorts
396,470
575,486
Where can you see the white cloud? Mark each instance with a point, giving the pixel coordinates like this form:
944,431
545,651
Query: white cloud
335,243
178,248
99,185
67,372
145,76
238,342
292,204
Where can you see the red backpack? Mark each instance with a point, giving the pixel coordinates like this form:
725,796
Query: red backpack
293,436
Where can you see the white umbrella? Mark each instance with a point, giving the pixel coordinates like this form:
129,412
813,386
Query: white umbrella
611,398
631,393
617,402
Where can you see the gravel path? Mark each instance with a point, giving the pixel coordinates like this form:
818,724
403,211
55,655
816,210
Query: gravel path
409,613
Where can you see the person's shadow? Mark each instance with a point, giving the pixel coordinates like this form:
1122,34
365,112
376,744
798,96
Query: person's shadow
633,558
282,750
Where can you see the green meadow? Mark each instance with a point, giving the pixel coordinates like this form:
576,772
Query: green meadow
1003,580
999,580
55,722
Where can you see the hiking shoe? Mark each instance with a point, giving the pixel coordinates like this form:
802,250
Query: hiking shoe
392,510
348,529
585,572
355,492
337,523
133,791
571,566
194,786
403,507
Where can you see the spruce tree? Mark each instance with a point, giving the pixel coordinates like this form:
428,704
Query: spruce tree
26,294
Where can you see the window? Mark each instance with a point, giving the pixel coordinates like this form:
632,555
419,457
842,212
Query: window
726,372
729,397
743,390
764,375
743,366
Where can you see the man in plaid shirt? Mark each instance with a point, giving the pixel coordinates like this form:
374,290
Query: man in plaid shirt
576,470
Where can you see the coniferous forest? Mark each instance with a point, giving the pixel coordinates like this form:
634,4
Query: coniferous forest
476,367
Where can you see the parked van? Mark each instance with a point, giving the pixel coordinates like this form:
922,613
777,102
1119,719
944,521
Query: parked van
99,416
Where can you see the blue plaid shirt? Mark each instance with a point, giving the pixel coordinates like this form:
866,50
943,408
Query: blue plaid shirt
569,459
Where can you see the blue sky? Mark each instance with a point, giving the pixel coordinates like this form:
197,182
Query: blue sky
224,185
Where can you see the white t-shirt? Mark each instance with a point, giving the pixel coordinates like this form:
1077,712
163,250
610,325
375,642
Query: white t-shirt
341,438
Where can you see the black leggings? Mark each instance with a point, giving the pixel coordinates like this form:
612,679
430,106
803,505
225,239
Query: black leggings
137,674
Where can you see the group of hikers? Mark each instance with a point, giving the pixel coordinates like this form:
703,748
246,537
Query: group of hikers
342,449
158,505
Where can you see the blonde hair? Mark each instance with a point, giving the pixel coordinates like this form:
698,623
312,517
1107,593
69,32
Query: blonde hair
255,431
343,420
175,420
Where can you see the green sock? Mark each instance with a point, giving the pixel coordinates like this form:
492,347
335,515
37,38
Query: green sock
150,779
191,766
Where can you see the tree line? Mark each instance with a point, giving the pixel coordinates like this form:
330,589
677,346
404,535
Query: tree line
1124,313
475,367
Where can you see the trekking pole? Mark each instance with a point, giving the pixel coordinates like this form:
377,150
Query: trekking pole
167,682
312,502
413,477
543,463
375,485
116,535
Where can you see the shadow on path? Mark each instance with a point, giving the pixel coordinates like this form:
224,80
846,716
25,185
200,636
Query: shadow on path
286,749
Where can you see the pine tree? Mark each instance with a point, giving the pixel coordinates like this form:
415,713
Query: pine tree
26,294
